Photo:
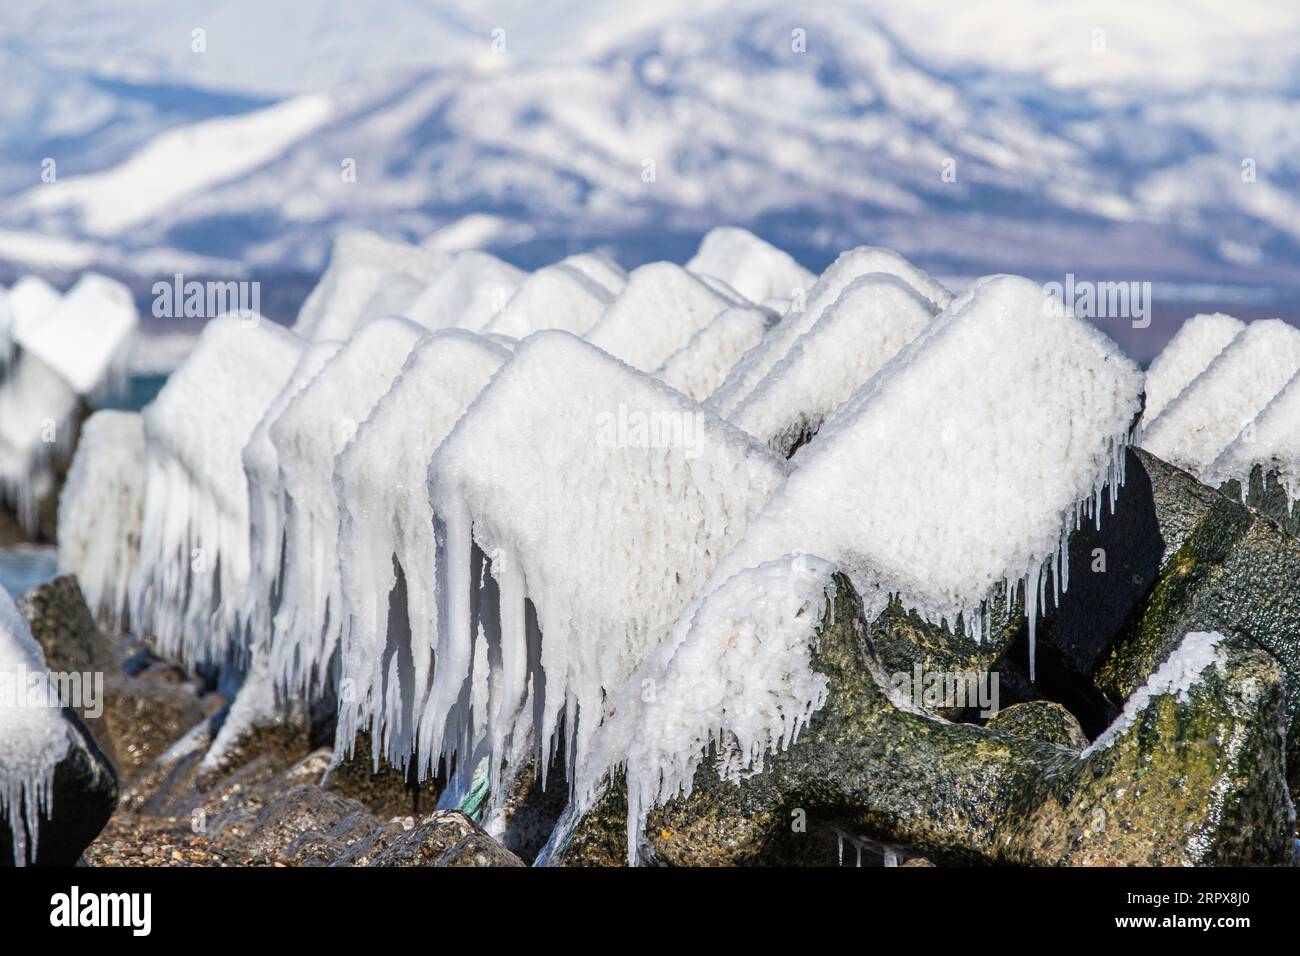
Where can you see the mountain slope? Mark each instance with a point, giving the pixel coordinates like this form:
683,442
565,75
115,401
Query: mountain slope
677,127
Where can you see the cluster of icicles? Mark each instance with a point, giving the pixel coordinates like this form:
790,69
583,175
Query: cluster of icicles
485,545
58,351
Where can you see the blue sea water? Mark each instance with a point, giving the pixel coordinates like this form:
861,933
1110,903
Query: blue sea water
25,566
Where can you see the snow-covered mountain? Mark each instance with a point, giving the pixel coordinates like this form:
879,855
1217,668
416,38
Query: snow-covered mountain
974,140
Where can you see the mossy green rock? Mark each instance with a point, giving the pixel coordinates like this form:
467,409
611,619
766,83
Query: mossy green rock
1043,720
1232,570
1192,781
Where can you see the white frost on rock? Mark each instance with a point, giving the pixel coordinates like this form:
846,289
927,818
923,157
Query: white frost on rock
361,262
803,315
194,548
1194,347
1222,401
1177,676
964,463
256,704
555,297
606,273
959,467
33,733
86,337
32,298
37,411
753,267
1271,442
699,367
316,425
658,312
7,322
873,318
467,293
266,505
101,511
735,675
387,524
61,350
602,499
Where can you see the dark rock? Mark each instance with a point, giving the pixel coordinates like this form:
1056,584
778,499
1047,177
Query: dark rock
82,800
445,838
478,849
145,717
303,808
1227,568
963,793
366,849
141,715
74,645
389,791
1040,720
527,812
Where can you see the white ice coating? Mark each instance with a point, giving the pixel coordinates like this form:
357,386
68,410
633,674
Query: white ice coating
466,293
964,463
395,296
959,467
308,435
86,337
33,734
555,297
266,504
606,273
101,511
1183,670
804,313
699,367
255,705
361,263
194,546
60,350
753,267
661,307
386,522
873,318
602,499
7,321
1195,346
37,409
1272,442
735,673
31,298
1225,399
